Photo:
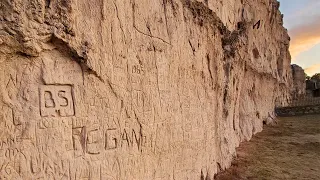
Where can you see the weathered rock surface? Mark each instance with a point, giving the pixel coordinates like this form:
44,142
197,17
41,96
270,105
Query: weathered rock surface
299,81
139,89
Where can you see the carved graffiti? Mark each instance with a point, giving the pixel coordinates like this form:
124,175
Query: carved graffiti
10,141
8,172
46,168
95,141
137,69
79,140
56,100
257,25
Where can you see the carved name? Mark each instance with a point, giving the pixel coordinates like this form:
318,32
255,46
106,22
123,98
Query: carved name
95,141
56,100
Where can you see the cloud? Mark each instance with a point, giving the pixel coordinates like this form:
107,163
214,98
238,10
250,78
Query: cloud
304,37
313,69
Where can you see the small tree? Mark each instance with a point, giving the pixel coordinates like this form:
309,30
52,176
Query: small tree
307,77
316,77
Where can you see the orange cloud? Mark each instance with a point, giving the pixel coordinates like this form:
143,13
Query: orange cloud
313,69
304,37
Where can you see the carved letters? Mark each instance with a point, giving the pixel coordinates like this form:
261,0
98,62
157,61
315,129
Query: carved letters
257,25
89,141
137,69
56,100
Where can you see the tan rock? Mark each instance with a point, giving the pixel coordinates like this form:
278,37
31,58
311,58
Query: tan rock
135,89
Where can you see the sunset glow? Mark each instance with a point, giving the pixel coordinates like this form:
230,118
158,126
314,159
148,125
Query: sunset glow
302,19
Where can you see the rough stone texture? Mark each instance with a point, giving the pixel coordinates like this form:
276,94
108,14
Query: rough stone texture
299,81
139,89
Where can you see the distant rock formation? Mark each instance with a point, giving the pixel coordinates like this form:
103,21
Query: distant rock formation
136,89
299,81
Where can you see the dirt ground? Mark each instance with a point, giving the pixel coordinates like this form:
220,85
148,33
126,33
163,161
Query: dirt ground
288,150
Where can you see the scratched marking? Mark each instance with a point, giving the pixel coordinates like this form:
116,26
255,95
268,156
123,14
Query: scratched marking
56,101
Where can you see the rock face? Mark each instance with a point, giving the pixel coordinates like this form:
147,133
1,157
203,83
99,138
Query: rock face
299,81
139,89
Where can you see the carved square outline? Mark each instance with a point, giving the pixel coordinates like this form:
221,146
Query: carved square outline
57,108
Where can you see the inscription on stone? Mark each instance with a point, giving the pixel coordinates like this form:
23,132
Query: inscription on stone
56,101
257,25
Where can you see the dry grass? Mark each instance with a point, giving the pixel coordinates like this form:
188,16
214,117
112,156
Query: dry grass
288,150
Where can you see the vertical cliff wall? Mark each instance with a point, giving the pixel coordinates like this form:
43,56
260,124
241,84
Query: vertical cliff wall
139,89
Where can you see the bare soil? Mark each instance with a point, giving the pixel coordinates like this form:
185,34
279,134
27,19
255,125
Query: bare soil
288,150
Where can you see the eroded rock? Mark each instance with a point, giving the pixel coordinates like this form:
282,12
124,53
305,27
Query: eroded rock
142,89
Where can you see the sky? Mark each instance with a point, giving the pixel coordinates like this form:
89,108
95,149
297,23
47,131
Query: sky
302,19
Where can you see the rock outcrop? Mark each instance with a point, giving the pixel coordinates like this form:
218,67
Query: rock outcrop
299,81
139,89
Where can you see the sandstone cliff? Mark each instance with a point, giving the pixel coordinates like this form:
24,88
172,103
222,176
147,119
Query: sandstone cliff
139,89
